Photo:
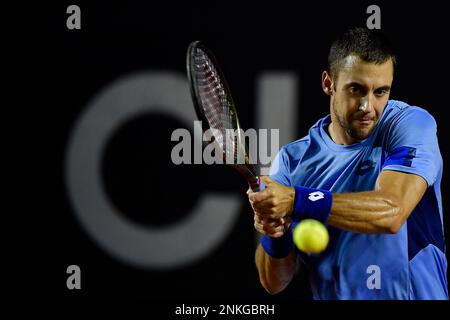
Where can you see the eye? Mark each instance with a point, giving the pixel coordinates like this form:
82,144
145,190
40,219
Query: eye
381,93
354,89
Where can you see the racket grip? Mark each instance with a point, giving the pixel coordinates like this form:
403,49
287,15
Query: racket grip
257,185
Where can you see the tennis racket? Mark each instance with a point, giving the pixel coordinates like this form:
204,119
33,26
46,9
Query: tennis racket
215,107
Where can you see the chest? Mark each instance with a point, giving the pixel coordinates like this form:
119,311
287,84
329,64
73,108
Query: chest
347,171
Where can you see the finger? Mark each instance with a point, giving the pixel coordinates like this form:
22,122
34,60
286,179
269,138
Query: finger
260,228
260,196
266,205
267,213
276,232
264,220
263,226
267,181
270,223
270,231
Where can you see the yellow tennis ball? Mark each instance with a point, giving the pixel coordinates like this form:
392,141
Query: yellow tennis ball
311,236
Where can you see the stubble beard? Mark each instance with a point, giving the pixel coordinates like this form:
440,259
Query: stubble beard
354,132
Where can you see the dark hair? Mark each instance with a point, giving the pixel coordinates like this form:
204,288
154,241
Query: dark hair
369,45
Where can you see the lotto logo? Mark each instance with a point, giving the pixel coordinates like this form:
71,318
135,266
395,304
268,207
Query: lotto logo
316,195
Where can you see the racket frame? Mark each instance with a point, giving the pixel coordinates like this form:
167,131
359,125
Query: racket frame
247,169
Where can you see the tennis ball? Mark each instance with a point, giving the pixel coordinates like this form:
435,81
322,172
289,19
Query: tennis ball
311,236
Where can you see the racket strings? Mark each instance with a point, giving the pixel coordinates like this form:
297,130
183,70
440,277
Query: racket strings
215,103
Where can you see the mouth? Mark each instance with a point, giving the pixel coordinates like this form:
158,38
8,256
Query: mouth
365,121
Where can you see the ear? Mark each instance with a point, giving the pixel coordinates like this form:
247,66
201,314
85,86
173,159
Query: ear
327,83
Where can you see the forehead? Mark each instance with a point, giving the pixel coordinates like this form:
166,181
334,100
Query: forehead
354,69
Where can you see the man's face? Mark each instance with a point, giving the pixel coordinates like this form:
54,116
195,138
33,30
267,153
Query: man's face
360,93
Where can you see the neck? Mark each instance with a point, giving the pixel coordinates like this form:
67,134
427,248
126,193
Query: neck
338,134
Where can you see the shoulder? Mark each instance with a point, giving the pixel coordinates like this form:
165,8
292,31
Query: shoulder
403,124
399,111
296,146
295,150
287,159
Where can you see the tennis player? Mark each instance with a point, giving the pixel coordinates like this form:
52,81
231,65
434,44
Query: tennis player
371,171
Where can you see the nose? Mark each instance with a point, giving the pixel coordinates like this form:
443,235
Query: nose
366,104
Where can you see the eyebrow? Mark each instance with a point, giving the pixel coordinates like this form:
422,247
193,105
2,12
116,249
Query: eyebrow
357,84
386,88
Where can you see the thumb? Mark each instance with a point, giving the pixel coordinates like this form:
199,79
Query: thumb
267,181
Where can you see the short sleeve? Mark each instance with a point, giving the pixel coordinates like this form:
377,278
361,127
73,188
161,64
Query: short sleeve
412,145
279,170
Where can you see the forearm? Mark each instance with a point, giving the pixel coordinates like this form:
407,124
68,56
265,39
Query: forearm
383,210
365,212
275,274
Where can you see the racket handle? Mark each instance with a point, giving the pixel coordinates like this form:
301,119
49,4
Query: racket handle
257,185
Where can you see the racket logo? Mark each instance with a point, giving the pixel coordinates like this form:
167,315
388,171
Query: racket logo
316,195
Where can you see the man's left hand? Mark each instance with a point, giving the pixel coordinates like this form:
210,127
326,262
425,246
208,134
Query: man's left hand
274,202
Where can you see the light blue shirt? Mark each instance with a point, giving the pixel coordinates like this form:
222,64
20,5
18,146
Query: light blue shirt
410,264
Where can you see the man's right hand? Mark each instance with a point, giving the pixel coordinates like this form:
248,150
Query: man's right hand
272,227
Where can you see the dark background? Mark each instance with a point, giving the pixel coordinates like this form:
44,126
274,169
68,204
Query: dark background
57,73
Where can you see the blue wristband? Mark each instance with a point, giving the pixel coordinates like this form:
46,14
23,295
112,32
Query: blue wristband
312,203
278,247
